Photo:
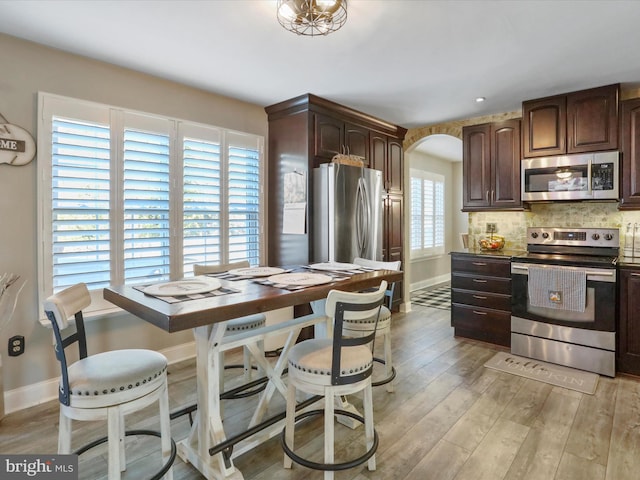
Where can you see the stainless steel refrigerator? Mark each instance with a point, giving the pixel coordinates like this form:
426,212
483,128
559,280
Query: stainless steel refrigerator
347,213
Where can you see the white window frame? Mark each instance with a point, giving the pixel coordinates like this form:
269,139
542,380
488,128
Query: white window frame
50,105
438,243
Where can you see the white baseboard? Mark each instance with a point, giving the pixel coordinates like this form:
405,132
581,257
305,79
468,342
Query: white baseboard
41,392
430,282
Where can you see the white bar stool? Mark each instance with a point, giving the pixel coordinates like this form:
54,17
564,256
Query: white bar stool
106,386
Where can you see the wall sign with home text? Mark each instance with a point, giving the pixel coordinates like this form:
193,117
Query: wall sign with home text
17,146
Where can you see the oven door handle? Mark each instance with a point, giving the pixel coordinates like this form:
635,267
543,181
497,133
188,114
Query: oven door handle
592,273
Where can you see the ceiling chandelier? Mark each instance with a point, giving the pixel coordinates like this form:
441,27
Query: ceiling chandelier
312,17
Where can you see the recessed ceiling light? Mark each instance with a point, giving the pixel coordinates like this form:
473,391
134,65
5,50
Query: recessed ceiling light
480,99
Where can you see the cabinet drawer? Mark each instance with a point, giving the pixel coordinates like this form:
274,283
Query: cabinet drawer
483,266
482,299
466,281
482,324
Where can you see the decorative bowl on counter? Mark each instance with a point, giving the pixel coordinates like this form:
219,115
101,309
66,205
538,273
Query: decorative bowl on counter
494,242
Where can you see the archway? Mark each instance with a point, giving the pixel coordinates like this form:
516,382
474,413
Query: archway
439,153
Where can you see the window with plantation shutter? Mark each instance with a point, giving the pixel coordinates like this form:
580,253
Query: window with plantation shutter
244,200
80,196
146,206
133,198
202,202
427,213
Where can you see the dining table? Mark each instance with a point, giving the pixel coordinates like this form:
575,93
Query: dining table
207,446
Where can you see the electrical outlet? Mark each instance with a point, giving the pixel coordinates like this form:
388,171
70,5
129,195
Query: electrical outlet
492,228
16,345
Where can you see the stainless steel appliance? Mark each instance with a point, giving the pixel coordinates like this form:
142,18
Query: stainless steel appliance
589,176
347,213
544,325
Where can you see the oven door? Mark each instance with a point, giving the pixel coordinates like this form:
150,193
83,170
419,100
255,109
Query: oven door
600,309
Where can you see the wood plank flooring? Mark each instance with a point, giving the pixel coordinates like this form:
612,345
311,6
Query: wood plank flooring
449,418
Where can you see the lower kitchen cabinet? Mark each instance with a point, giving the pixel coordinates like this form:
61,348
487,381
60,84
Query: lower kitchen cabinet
628,348
481,298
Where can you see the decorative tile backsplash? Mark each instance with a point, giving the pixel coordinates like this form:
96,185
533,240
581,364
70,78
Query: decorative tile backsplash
513,225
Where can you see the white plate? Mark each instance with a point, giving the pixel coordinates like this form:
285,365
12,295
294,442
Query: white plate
302,279
334,266
184,287
256,271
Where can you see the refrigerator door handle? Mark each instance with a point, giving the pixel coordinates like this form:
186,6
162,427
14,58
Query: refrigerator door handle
363,211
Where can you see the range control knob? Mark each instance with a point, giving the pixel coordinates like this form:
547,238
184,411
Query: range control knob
596,236
534,234
608,236
545,235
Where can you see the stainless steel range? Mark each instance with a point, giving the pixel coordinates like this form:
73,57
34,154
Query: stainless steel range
563,298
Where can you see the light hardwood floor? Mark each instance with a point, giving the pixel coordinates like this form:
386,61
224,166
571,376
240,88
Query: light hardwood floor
449,418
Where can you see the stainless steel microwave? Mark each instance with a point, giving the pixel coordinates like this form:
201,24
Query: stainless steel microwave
587,176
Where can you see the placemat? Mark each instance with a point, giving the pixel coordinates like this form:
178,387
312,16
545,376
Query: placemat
182,298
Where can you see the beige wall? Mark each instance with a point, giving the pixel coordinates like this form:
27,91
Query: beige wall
26,69
424,272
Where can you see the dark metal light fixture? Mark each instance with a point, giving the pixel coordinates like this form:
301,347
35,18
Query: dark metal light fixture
312,17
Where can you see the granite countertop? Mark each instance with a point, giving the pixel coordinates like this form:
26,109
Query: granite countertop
504,253
629,262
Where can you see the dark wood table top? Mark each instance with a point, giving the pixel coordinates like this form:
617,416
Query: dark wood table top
252,298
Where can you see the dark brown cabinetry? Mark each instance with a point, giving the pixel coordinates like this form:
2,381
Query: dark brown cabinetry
333,135
387,156
481,298
491,166
392,244
630,179
308,130
578,122
628,348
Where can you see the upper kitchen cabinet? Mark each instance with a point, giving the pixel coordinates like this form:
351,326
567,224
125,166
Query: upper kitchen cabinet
356,140
334,135
307,131
491,166
630,124
387,155
578,122
328,135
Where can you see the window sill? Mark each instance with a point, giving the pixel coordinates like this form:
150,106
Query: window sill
426,257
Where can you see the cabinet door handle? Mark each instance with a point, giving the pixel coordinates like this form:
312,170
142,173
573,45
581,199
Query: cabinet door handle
479,313
479,297
479,281
487,196
493,196
479,264
635,274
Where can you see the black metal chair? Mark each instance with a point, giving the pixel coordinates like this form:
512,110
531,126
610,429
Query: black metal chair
335,367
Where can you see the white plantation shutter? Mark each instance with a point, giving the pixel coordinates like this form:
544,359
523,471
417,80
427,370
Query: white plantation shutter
244,198
427,213
80,234
146,226
128,197
416,213
202,172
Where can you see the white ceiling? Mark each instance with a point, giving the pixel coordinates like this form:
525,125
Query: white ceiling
413,63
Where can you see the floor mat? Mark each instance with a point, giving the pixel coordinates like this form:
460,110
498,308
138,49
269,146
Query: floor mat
439,297
558,375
